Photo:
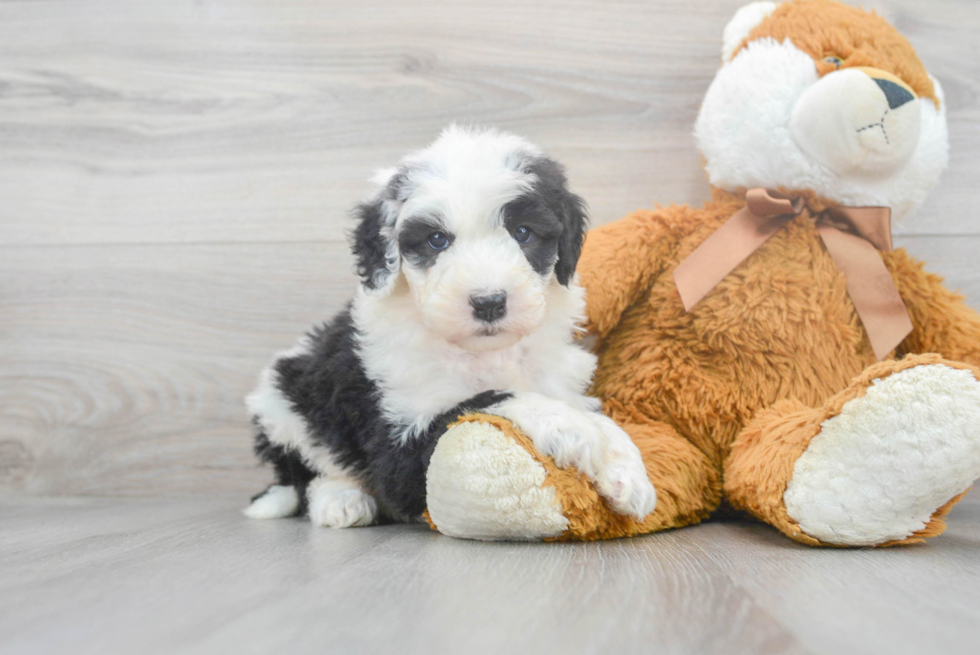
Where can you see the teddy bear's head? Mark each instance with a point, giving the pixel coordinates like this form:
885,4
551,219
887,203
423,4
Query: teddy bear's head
814,95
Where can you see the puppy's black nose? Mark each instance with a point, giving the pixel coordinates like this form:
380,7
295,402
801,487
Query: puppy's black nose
897,95
489,308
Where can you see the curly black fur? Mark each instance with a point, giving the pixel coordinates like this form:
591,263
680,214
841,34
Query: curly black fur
328,387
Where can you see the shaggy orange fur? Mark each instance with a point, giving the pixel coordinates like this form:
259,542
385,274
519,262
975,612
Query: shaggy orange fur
752,371
823,28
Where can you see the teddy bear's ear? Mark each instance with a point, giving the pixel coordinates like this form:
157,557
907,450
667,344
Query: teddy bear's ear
374,248
743,22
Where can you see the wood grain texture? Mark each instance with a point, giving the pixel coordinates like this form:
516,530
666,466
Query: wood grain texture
142,121
193,576
175,179
125,368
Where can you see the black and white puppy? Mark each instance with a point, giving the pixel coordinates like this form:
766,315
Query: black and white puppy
468,302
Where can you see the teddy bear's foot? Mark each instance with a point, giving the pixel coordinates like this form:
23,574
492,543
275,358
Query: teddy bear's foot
878,471
878,464
482,485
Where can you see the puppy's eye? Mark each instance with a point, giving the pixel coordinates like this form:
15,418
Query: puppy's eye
836,61
438,241
523,234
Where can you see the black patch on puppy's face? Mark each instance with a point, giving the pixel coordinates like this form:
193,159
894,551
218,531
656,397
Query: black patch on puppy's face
413,240
532,212
556,217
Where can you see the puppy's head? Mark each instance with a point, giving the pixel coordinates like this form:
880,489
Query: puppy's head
477,227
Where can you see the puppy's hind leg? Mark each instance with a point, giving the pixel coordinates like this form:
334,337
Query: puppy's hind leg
287,497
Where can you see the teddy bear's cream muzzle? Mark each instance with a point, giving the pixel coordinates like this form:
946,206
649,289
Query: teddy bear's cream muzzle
862,121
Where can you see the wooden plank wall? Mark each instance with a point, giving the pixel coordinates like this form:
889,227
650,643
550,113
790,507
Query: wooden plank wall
175,177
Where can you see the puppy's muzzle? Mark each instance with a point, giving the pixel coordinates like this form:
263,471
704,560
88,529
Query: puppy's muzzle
489,308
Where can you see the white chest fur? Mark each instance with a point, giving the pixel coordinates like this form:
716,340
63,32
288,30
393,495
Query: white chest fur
420,375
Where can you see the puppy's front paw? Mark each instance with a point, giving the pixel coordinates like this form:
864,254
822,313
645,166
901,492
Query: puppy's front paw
627,488
622,477
589,442
340,504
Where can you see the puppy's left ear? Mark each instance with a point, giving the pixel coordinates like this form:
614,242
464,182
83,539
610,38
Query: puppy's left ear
570,210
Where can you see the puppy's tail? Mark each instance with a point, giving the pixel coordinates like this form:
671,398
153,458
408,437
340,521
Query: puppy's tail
276,502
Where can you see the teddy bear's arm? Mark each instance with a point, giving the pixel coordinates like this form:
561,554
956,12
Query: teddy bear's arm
619,260
942,322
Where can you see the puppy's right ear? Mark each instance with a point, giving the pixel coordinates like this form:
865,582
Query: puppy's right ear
372,241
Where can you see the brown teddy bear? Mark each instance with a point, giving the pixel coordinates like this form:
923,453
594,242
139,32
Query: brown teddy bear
769,350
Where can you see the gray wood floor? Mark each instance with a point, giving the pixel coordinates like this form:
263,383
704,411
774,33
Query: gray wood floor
108,576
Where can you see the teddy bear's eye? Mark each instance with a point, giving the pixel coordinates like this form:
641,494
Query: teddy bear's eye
836,61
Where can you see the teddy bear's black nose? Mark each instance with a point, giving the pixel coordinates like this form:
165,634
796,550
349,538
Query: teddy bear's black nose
489,308
897,94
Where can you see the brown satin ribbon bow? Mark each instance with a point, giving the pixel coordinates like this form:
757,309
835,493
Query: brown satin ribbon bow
852,236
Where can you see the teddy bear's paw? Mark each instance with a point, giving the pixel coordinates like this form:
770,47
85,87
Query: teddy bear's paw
879,470
622,477
481,484
340,504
